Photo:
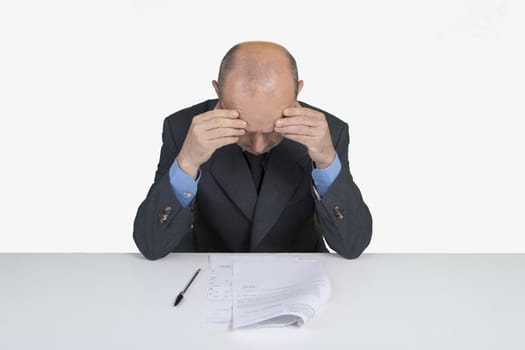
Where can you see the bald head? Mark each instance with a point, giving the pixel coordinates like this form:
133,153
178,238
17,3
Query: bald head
258,67
258,80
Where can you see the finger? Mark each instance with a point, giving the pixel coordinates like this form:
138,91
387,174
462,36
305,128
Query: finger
218,143
223,132
219,113
296,129
302,120
296,111
221,122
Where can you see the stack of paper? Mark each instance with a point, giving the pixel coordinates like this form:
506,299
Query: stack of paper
263,290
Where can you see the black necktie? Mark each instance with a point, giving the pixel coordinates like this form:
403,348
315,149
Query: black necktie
255,163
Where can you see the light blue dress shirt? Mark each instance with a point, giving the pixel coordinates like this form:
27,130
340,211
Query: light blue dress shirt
185,188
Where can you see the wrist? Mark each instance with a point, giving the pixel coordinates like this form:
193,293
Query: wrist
189,168
326,162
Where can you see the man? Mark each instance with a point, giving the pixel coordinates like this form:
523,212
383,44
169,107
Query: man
254,170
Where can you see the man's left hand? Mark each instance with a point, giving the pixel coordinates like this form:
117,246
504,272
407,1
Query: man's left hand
308,127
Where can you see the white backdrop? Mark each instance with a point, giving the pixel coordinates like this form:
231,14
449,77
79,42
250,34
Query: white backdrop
433,92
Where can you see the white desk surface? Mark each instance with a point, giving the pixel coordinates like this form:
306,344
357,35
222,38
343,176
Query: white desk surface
378,301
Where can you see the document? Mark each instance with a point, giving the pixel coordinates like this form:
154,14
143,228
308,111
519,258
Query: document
264,290
219,292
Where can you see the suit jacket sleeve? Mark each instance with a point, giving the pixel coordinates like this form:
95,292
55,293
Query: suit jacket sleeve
345,220
161,223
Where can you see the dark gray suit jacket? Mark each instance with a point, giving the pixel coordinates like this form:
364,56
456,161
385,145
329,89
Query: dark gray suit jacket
227,215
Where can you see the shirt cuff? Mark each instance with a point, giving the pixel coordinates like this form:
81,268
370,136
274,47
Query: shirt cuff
183,185
324,178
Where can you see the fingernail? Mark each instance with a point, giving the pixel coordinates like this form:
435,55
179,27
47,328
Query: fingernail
279,123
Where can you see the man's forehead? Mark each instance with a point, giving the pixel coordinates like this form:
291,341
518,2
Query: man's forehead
259,118
263,124
252,108
264,133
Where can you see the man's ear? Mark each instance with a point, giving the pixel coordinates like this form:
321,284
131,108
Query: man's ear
300,85
216,87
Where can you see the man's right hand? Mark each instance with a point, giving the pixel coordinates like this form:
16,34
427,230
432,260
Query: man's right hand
208,132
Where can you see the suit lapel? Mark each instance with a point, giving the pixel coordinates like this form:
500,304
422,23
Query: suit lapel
231,171
283,174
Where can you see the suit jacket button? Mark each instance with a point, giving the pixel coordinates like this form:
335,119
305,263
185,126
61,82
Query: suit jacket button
338,212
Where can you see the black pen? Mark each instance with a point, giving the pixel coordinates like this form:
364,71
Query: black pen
181,294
